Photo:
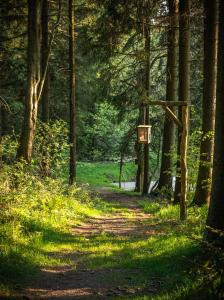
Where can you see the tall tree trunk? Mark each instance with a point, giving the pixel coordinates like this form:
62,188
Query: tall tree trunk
139,153
72,96
44,61
33,80
45,162
184,76
215,219
145,188
165,179
202,193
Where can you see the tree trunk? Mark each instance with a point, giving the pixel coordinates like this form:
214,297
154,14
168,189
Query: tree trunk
72,96
33,80
165,179
202,193
139,152
184,77
145,188
215,219
45,162
44,61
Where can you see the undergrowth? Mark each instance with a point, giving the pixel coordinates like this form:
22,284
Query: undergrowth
36,212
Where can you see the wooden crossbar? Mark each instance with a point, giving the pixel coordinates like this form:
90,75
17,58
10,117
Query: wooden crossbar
169,103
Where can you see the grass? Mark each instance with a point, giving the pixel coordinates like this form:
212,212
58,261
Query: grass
104,173
168,255
36,222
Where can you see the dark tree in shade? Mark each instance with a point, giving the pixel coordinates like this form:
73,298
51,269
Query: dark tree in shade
202,193
184,75
215,219
165,179
72,96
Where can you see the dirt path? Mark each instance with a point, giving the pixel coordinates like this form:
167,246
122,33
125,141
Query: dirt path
65,282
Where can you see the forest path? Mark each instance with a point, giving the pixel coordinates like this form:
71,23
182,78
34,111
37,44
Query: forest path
105,262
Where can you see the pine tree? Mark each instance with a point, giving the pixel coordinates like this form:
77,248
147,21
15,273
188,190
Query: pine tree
72,96
165,179
215,220
202,193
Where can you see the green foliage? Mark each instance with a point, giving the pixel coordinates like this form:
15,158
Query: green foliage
51,147
102,136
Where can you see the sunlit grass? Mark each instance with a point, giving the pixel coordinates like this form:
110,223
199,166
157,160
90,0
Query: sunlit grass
41,225
104,173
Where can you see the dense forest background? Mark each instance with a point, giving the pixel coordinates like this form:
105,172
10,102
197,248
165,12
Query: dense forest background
77,78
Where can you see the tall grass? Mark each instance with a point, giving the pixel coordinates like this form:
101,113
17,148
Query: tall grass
36,212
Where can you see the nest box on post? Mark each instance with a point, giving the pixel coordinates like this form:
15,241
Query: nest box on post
144,134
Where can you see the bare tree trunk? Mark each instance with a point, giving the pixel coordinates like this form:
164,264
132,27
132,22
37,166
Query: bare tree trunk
202,193
45,162
184,76
44,59
139,152
215,220
145,188
33,80
72,96
165,179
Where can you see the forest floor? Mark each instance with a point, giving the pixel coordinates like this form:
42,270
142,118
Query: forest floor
75,281
129,252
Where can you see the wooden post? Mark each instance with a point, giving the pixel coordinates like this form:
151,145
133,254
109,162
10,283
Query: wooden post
183,163
121,168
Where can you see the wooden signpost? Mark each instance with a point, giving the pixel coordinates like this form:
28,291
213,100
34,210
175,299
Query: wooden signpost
183,125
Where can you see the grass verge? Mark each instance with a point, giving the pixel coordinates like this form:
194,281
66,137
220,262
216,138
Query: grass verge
36,222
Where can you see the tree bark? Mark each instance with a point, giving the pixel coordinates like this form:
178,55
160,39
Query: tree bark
215,219
33,80
72,96
203,187
44,99
139,153
44,61
184,77
145,188
165,179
